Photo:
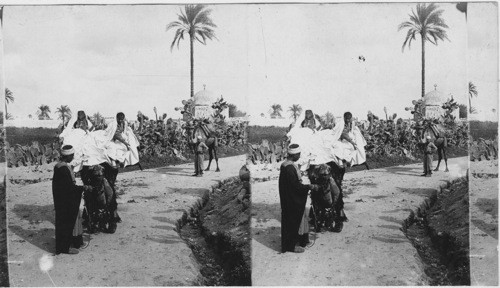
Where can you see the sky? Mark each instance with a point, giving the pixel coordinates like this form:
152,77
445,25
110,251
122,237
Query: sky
483,58
113,58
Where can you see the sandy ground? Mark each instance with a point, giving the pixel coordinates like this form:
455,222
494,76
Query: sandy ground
371,250
483,201
144,251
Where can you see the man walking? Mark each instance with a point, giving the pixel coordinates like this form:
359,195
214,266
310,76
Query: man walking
293,198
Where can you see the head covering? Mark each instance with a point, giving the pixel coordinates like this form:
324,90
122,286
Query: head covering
293,149
429,137
67,150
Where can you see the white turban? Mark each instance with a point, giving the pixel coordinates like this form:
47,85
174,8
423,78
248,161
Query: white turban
294,150
68,151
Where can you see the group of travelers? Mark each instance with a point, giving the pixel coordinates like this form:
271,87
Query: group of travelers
89,151
342,150
338,148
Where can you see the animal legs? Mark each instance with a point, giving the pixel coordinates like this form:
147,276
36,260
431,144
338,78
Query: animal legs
216,159
440,156
210,157
445,159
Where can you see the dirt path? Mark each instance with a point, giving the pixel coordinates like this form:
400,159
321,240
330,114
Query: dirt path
144,251
483,191
371,250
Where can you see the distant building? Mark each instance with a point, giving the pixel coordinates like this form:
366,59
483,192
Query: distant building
434,101
203,101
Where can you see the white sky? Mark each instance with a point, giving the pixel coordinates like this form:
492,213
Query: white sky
117,58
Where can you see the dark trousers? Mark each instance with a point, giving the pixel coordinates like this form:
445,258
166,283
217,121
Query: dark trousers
428,164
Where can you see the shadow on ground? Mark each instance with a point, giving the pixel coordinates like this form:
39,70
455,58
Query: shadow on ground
267,236
402,170
422,192
42,238
488,228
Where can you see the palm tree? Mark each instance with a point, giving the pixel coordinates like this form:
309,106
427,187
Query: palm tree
328,118
195,21
295,110
428,23
9,98
43,112
276,110
472,93
64,113
97,118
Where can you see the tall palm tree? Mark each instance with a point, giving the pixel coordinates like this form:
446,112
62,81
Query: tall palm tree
9,98
295,110
64,113
428,23
194,21
43,112
276,110
472,93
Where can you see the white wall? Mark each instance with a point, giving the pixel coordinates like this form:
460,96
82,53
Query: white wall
263,121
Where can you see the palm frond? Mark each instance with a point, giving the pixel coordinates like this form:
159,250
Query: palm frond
472,90
195,21
175,24
9,96
426,20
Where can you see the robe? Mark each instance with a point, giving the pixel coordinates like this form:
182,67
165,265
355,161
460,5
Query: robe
87,152
199,157
115,149
67,196
293,198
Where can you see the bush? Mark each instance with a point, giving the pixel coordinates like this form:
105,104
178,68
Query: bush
274,134
483,129
25,136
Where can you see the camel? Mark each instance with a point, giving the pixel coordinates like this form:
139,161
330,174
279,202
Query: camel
210,140
440,141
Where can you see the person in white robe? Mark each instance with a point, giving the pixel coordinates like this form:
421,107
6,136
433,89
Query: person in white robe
119,142
78,133
350,146
344,144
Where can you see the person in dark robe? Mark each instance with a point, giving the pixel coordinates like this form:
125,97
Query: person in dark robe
67,196
429,149
200,148
293,198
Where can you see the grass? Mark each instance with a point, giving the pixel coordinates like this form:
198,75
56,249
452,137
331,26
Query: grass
483,129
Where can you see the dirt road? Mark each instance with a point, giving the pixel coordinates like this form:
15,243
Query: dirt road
144,251
371,250
483,191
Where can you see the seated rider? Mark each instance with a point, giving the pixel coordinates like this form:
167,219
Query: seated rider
309,121
83,122
345,132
